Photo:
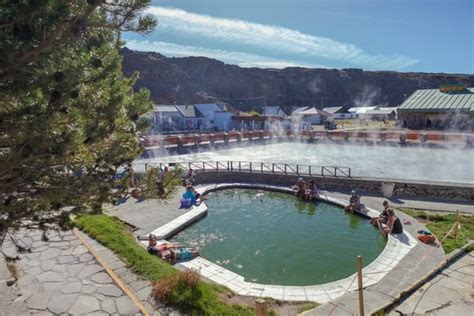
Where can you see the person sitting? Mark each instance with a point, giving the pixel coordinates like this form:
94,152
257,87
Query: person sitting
312,192
190,178
354,203
182,254
191,197
154,248
300,188
393,226
383,216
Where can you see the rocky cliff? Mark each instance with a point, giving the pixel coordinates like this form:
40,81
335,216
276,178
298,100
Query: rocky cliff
200,79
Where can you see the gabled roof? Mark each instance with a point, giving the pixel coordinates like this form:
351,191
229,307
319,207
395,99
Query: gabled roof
433,100
188,111
311,111
208,109
300,109
273,110
335,109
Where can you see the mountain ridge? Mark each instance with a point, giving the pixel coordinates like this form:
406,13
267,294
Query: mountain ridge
187,80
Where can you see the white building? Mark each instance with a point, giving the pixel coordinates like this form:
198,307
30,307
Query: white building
214,116
308,116
359,112
338,113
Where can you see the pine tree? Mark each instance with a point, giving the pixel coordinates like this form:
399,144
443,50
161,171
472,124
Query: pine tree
68,116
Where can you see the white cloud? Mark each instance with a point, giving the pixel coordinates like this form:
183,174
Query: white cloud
273,38
238,58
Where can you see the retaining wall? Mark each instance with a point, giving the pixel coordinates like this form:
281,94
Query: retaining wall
402,188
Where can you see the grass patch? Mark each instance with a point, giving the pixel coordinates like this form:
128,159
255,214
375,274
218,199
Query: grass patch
307,307
181,290
441,224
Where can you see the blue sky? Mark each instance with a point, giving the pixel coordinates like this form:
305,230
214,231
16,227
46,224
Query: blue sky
400,35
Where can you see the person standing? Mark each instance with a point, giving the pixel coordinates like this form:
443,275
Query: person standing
130,173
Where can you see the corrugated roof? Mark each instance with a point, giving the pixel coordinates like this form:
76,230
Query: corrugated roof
432,100
311,111
384,111
361,109
208,109
165,108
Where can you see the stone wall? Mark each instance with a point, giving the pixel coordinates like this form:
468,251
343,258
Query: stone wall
402,188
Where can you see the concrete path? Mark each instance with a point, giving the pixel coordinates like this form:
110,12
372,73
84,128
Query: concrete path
375,201
450,293
149,214
59,276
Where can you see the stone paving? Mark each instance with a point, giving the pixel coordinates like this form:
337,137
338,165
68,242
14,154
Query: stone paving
59,276
375,201
451,292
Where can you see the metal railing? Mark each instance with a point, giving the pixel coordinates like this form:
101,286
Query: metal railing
258,167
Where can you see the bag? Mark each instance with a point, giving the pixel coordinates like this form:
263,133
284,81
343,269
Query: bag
427,239
186,203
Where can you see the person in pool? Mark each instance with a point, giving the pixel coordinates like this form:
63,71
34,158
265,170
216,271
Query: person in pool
383,216
300,188
354,203
312,192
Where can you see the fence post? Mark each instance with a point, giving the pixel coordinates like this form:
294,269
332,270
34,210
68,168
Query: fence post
261,167
349,172
228,167
361,290
456,228
297,169
203,166
240,166
309,170
146,167
250,167
217,166
261,307
285,169
335,171
322,171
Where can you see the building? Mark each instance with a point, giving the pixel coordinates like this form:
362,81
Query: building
192,120
381,114
308,116
274,111
449,107
338,112
214,117
359,112
166,118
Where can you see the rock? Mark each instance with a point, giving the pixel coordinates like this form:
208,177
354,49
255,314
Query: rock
86,257
109,306
71,287
74,269
126,306
60,303
66,259
89,270
110,290
10,252
47,264
51,277
38,301
84,304
49,253
79,250
11,281
61,244
52,287
101,277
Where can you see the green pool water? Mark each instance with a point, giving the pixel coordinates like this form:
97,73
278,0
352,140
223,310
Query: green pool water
275,238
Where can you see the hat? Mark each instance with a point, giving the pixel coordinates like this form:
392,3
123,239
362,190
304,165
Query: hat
300,179
353,191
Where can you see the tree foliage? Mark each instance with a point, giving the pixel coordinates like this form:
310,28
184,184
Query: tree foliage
68,116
